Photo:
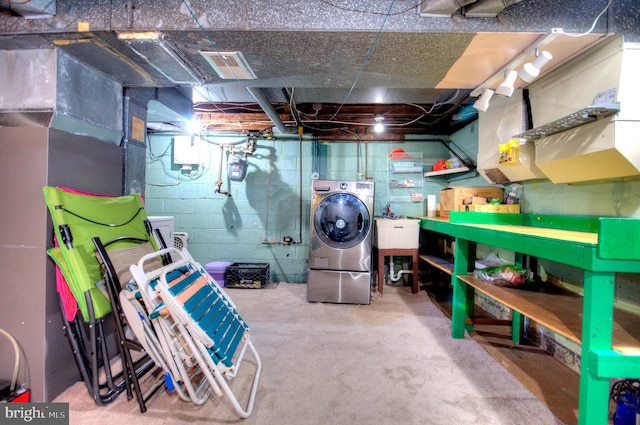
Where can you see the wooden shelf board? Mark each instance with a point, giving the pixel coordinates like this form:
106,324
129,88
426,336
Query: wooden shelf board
439,263
560,313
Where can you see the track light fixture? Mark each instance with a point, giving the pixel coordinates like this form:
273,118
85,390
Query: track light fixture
482,104
507,86
531,70
509,72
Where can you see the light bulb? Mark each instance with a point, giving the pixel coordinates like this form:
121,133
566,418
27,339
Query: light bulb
531,70
482,104
507,88
378,127
192,126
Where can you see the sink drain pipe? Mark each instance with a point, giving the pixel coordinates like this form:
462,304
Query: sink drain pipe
400,272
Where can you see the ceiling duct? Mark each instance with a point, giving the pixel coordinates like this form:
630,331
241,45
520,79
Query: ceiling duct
487,8
229,65
163,56
48,88
268,108
442,8
33,9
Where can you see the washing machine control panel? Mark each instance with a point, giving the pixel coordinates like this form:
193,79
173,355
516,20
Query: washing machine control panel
344,186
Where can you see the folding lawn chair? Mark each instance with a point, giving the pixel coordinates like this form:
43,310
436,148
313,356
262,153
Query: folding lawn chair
115,263
205,317
77,219
158,335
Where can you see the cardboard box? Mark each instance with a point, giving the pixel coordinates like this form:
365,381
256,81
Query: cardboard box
449,246
494,208
452,197
475,200
400,233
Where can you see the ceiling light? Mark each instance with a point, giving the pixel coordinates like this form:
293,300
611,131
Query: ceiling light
193,126
139,35
531,70
378,127
507,88
482,104
515,63
229,65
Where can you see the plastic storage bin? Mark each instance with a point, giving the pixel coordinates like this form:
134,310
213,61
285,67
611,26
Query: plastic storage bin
217,270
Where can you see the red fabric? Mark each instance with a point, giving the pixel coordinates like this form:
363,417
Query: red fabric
69,304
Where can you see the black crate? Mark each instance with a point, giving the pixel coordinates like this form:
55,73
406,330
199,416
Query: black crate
247,275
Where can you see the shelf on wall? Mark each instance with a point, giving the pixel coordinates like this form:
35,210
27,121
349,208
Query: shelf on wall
447,171
576,119
404,177
407,199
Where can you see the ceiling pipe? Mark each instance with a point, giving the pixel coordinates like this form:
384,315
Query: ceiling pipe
163,127
487,8
442,8
268,108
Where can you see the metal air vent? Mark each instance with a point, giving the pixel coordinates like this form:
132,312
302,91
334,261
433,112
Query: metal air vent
229,65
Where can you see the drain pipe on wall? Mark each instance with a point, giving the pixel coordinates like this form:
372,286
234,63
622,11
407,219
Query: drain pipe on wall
287,240
300,194
219,181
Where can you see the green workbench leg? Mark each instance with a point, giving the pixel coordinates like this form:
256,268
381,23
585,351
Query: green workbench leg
461,293
516,317
516,327
597,326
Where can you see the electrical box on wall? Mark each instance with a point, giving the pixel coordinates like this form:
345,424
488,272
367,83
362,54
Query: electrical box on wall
186,150
497,126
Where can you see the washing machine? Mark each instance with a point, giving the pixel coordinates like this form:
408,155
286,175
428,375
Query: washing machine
340,242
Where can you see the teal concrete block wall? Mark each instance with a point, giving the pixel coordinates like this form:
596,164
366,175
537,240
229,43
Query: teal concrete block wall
265,207
250,225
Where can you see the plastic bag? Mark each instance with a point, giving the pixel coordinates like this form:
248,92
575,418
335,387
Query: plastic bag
510,276
514,193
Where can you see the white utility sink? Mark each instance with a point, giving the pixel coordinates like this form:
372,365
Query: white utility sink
397,233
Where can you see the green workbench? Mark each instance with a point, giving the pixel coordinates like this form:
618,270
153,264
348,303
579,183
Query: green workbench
601,246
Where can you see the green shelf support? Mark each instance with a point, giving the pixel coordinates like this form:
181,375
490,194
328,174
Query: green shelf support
611,364
597,333
461,291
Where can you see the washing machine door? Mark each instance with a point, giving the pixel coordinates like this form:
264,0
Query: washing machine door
341,221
